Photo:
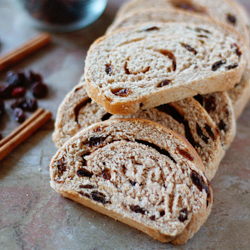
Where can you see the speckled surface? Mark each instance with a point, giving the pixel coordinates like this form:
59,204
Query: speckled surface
33,216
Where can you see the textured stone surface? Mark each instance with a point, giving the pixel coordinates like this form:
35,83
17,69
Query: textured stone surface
33,216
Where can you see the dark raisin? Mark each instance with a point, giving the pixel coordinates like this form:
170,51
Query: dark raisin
77,89
84,173
222,125
162,213
160,150
200,30
171,56
209,131
137,209
201,134
106,116
217,65
202,36
16,79
84,194
18,103
141,105
2,108
237,49
231,18
185,154
121,92
19,115
108,69
39,90
151,28
87,186
29,105
18,92
132,182
164,83
189,48
152,217
210,104
61,166
6,92
236,85
232,66
99,197
106,174
188,6
79,106
95,141
32,77
183,215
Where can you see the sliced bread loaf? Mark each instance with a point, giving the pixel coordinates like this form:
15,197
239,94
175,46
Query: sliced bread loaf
155,63
185,117
138,172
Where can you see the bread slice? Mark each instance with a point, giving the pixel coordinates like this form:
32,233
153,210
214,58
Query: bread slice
220,10
138,172
155,63
185,117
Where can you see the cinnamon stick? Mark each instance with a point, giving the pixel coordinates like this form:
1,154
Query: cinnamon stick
31,125
23,51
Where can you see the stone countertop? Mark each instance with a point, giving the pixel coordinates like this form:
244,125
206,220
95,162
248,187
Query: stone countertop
33,216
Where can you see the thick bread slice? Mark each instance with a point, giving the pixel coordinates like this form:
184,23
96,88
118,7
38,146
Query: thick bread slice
185,117
155,63
138,172
219,10
240,94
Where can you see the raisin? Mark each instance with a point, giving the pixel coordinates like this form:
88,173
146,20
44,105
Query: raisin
121,92
171,56
160,150
209,131
132,183
222,125
162,213
137,209
151,29
217,65
16,79
39,90
99,197
189,48
210,104
185,154
2,108
79,106
188,6
202,36
183,215
6,92
19,115
231,18
237,49
232,66
201,134
84,173
106,174
30,105
18,92
87,186
84,194
152,217
108,69
106,116
77,89
164,83
95,141
200,30
32,77
61,166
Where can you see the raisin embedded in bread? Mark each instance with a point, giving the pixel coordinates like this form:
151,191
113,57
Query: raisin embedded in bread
185,117
138,172
155,63
220,10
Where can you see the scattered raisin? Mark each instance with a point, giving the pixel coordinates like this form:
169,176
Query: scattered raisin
183,215
95,141
121,92
84,173
25,104
99,197
18,92
2,108
6,91
151,28
222,125
201,134
39,90
106,116
188,6
162,213
185,154
232,66
19,115
231,18
171,56
77,89
164,83
216,65
237,49
152,217
202,36
209,131
32,77
132,183
137,209
84,194
210,104
79,106
108,69
200,29
16,79
87,186
189,48
106,174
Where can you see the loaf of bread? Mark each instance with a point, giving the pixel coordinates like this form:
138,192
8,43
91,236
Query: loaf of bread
220,10
185,117
138,172
155,63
